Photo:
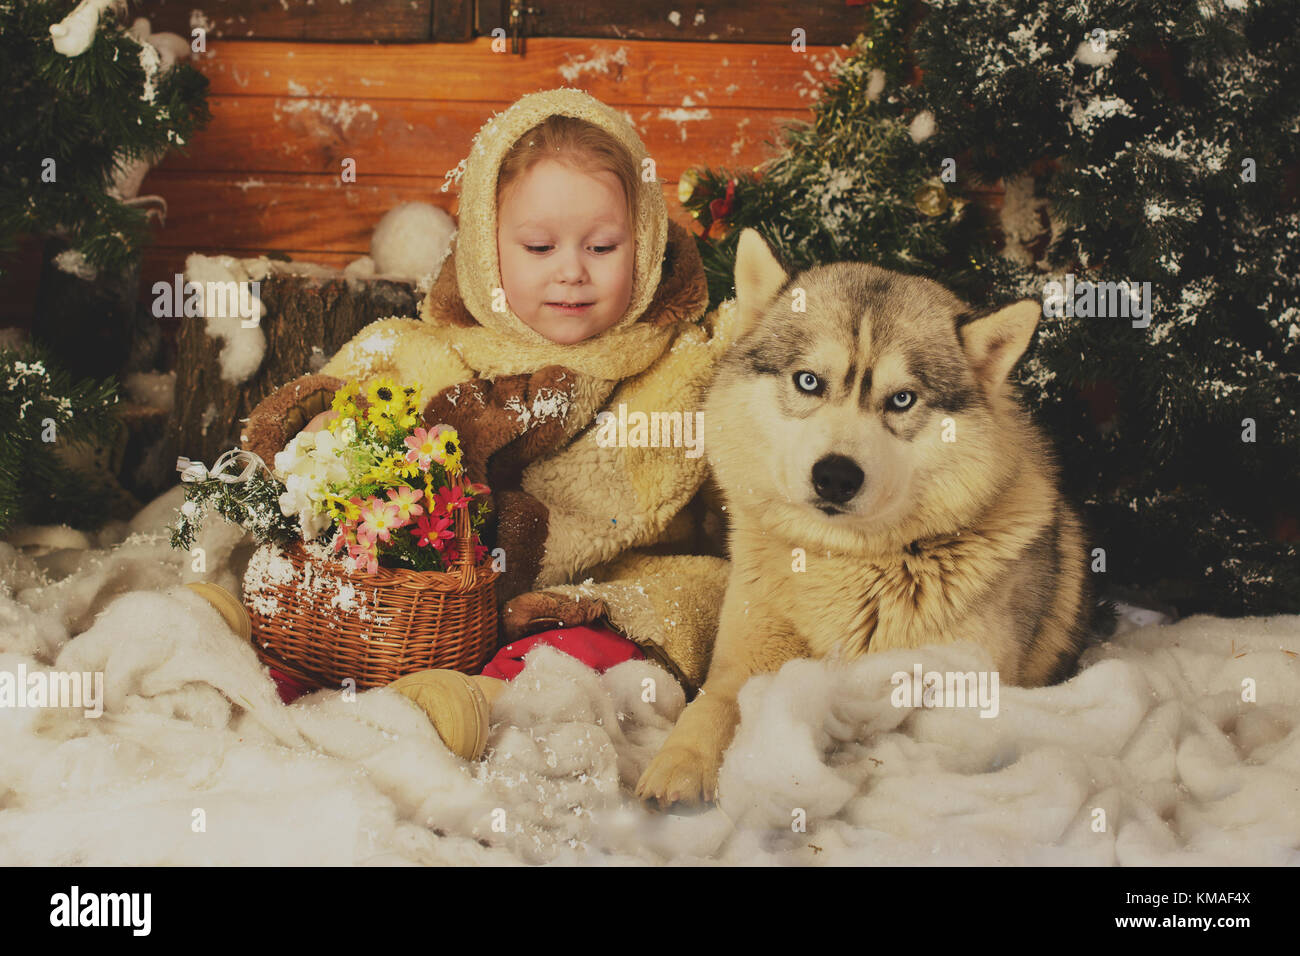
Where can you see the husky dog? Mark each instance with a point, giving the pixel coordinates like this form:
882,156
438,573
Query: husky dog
862,426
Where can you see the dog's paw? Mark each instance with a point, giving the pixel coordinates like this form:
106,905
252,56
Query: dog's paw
679,775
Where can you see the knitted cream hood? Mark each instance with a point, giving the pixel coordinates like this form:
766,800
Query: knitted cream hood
477,266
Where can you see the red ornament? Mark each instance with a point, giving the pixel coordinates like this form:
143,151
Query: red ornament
720,209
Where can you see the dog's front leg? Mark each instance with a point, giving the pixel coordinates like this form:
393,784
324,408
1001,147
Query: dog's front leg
686,768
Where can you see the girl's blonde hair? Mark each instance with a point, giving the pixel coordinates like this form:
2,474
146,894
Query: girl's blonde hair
582,145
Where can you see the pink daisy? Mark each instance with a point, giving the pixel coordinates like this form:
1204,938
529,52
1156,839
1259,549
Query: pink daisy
407,501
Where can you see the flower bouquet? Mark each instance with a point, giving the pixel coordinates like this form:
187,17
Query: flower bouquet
370,564
386,487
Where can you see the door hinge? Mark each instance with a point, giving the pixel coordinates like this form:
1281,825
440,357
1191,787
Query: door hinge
519,12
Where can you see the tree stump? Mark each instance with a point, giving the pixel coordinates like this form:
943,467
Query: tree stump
307,318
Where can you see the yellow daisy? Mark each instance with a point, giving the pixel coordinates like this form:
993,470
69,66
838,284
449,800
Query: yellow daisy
407,421
414,395
345,400
387,402
398,465
448,452
341,509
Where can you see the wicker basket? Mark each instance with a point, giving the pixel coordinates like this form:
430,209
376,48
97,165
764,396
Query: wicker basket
320,624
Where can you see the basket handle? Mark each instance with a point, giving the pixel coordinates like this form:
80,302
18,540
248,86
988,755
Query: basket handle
464,536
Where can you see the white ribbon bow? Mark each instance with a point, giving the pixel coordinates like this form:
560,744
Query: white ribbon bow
197,471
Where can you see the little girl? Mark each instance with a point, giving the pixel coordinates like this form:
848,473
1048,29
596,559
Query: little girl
568,293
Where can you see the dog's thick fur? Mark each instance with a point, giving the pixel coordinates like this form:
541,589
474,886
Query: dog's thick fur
924,520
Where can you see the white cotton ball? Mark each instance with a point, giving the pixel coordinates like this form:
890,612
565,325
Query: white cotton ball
171,47
412,240
922,126
1094,54
875,85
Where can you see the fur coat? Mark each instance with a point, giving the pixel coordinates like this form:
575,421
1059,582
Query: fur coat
592,531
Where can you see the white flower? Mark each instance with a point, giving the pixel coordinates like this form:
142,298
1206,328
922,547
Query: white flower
302,500
290,458
327,457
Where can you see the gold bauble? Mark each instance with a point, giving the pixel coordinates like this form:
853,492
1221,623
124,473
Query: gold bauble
686,186
459,706
931,198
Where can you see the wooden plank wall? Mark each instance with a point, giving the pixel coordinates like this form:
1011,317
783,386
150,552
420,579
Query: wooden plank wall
264,177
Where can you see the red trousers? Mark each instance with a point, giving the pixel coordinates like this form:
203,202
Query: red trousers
597,647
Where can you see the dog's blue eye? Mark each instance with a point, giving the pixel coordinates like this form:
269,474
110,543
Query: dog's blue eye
807,382
901,400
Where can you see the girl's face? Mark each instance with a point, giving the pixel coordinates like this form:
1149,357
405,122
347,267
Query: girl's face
565,250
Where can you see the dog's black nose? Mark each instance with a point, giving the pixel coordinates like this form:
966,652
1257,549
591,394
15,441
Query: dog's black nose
837,478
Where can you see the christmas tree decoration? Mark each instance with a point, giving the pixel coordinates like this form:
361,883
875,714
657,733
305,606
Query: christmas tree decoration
719,211
931,198
686,186
72,34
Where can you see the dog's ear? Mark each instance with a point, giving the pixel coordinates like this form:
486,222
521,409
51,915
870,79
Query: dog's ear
759,276
995,342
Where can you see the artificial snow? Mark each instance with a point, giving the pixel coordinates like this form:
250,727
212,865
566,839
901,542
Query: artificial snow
599,62
1088,116
1153,755
1021,217
548,404
74,263
681,117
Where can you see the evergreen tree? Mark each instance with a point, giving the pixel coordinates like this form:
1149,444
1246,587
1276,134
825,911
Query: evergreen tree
44,411
1111,142
74,122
